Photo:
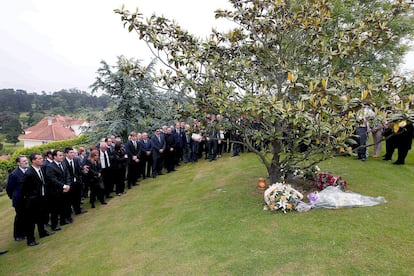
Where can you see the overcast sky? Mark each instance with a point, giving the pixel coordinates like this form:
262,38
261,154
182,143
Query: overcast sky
49,45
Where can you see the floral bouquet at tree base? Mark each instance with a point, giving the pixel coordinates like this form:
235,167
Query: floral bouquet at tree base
327,179
281,197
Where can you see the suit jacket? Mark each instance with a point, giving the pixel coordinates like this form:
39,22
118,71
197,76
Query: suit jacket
132,151
33,188
145,146
118,159
75,174
92,177
170,141
157,145
14,186
56,178
180,137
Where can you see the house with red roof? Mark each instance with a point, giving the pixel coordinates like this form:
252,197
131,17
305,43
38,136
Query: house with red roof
51,129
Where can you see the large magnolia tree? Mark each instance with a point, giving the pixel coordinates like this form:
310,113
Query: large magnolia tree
295,72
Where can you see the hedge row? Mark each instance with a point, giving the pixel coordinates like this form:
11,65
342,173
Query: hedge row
9,164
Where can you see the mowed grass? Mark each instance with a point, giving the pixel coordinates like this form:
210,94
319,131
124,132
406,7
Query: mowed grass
208,219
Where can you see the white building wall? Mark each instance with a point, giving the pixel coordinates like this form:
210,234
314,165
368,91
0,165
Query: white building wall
33,143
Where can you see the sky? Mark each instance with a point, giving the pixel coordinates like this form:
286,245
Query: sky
49,45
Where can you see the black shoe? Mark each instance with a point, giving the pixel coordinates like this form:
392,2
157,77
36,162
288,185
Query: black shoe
104,202
46,234
57,228
92,205
66,221
19,239
109,196
398,163
3,252
33,243
81,212
386,159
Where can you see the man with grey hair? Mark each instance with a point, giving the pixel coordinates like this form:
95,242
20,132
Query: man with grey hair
14,191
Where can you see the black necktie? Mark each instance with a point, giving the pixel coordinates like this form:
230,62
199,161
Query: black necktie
43,182
106,161
41,176
60,166
71,166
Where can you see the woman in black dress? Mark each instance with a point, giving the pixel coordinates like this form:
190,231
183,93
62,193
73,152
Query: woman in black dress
94,179
119,164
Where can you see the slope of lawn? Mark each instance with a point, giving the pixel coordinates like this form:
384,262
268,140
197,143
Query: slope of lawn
208,218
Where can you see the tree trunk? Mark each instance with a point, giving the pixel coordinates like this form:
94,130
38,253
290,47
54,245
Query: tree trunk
274,169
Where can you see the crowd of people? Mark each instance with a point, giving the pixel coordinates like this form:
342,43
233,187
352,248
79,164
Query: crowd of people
47,193
53,188
399,139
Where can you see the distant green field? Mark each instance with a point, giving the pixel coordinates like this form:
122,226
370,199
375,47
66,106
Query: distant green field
207,219
9,148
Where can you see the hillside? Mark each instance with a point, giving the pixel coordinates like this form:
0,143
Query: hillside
207,219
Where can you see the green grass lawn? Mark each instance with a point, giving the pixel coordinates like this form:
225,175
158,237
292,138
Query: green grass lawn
208,218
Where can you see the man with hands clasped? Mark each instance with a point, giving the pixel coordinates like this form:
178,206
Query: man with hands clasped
57,186
34,194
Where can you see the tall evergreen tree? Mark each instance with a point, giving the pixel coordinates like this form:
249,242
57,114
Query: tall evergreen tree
135,102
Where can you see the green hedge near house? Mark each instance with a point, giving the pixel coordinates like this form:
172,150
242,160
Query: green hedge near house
8,165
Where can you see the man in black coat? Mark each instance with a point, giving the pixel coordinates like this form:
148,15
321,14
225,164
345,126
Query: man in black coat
158,147
13,190
75,171
57,186
404,141
170,146
133,149
146,156
34,194
106,169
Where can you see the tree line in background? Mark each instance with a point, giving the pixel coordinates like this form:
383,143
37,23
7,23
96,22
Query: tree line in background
20,109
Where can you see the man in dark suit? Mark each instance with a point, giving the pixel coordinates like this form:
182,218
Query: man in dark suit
13,190
106,169
179,133
75,171
158,147
170,145
404,141
34,194
57,186
133,149
146,156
